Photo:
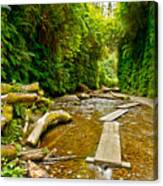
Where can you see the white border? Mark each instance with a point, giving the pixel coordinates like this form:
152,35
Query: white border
47,182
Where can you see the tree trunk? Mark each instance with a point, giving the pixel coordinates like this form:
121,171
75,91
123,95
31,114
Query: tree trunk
50,118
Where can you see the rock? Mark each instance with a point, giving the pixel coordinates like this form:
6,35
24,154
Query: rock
107,174
83,95
91,167
35,171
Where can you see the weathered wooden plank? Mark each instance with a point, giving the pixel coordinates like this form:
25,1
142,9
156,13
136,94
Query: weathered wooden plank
128,105
109,148
114,115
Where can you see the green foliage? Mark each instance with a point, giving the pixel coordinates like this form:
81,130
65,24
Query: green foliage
15,55
62,45
137,51
13,132
12,168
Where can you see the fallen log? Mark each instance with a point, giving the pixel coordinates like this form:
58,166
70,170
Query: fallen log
20,97
83,95
7,88
61,158
49,161
8,151
102,95
33,154
50,118
120,95
108,89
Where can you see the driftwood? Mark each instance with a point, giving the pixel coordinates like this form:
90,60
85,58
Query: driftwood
49,161
83,95
61,158
8,151
33,154
108,89
120,95
19,97
50,118
35,171
6,88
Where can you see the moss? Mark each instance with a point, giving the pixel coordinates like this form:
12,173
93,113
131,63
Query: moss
7,111
6,88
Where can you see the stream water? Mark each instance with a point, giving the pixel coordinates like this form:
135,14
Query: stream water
81,137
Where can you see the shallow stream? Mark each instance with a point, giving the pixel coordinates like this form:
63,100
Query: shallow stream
82,135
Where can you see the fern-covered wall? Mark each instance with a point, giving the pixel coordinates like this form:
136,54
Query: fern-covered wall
137,70
64,45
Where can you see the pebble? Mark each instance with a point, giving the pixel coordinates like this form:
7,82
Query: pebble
61,166
137,174
78,176
69,172
91,167
69,152
54,172
133,174
54,151
24,148
47,167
